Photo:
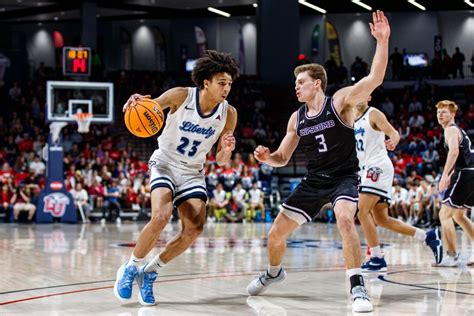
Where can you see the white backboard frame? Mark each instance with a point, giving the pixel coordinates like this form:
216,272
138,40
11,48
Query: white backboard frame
52,85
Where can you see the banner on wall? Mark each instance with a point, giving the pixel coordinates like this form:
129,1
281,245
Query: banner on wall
438,44
333,42
241,51
315,41
200,40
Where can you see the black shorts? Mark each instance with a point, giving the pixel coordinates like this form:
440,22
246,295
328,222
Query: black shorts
312,193
460,192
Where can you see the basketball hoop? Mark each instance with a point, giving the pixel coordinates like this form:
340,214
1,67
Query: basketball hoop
83,121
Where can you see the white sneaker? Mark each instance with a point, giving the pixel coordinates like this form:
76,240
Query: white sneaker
102,221
118,221
449,261
260,284
360,300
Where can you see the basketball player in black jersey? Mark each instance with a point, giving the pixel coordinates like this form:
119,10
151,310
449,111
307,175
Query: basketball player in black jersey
457,181
324,128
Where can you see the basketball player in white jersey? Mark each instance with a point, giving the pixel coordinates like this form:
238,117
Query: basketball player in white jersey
198,118
376,172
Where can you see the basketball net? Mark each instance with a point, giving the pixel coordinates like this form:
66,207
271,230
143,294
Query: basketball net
83,122
55,129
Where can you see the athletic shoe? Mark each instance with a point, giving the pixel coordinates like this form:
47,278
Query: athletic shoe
360,300
375,264
124,283
260,284
145,285
449,261
433,240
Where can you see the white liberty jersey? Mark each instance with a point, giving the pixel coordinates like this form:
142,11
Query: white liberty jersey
189,135
370,143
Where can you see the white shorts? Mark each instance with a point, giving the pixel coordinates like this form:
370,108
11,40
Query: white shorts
377,179
185,184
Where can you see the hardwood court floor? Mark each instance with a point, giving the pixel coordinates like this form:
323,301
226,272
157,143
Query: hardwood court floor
70,270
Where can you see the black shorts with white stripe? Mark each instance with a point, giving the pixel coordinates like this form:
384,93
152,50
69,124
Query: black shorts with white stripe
313,193
460,192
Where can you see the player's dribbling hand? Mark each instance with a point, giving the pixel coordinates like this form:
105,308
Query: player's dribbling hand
261,153
133,99
228,142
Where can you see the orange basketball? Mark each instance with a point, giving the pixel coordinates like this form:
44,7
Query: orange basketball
145,118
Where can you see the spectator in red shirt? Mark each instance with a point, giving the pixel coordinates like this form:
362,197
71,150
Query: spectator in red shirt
6,205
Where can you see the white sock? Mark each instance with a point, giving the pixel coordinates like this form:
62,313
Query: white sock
273,270
154,265
420,234
376,252
134,261
355,271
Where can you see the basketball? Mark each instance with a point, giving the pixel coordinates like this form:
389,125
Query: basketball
145,118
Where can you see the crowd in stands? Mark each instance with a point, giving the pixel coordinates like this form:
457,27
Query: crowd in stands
101,168
103,171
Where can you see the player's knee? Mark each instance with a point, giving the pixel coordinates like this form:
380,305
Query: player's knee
444,214
159,220
192,232
344,223
275,235
363,213
381,220
458,216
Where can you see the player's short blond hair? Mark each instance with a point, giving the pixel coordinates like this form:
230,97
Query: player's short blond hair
450,105
315,71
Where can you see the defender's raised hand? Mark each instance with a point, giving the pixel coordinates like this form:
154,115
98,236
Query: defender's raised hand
379,28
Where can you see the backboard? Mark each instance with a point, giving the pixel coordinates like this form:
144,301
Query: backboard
66,98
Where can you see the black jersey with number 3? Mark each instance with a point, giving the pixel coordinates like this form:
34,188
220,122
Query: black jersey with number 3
466,151
328,143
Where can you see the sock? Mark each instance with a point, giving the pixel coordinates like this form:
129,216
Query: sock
420,234
154,265
376,252
355,277
134,261
273,270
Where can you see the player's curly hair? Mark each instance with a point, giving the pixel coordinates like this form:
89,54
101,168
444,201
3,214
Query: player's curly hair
211,63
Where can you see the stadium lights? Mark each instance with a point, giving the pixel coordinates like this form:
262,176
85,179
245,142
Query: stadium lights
469,3
363,5
216,11
312,6
255,5
416,4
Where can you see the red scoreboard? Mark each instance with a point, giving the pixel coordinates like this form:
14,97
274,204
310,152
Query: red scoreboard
76,61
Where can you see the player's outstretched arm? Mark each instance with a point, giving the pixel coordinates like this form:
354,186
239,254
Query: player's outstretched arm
380,30
227,140
171,98
282,155
451,134
381,123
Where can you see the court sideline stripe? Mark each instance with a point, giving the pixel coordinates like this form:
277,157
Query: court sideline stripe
164,281
420,287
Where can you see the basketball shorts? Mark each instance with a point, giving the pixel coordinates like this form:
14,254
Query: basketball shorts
377,179
184,184
460,192
313,193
